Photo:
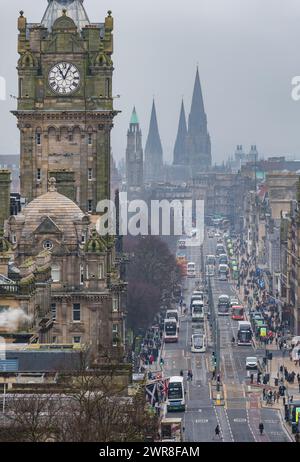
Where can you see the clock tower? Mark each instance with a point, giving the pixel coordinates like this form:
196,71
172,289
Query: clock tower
65,106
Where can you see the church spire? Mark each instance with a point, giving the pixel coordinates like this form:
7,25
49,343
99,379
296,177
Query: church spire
153,149
198,147
197,118
153,144
179,149
134,118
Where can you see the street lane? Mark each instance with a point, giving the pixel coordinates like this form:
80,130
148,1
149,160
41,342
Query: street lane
242,413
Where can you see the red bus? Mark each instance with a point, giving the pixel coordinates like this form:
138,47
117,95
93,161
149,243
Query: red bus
237,313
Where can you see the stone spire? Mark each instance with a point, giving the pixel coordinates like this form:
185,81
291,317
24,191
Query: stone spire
153,150
180,144
197,118
198,140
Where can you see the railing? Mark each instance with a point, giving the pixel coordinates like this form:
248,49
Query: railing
9,289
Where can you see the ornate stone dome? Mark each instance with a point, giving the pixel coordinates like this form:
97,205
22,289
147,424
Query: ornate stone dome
58,213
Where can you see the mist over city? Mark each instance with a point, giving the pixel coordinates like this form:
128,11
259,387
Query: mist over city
149,226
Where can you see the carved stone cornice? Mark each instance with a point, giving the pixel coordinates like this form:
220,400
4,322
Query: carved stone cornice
84,116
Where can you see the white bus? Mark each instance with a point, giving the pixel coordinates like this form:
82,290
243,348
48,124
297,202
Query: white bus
197,310
198,343
170,330
210,259
191,269
173,314
176,394
244,335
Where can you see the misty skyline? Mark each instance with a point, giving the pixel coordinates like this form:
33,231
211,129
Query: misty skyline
247,56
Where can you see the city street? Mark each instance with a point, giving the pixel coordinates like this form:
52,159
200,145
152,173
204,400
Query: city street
239,418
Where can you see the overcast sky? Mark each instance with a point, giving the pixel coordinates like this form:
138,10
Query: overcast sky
247,51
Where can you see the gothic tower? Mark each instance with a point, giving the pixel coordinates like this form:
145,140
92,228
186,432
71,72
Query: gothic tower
134,154
198,144
180,157
153,151
65,106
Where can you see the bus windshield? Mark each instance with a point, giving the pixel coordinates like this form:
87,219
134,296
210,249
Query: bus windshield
171,328
175,390
172,314
198,308
198,341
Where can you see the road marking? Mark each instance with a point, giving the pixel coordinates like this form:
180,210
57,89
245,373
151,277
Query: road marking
197,421
240,420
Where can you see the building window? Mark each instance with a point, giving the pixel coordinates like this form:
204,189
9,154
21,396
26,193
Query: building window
101,271
83,239
81,275
38,174
53,312
115,331
55,273
90,138
54,339
115,304
20,88
77,339
48,245
90,173
107,88
13,238
38,139
76,312
90,205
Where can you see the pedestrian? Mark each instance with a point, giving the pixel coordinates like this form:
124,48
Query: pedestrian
251,378
264,393
217,431
261,428
214,375
181,373
157,408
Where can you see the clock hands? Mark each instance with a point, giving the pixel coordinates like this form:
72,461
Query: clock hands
65,76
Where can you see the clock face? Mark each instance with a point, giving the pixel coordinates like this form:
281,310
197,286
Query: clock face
64,78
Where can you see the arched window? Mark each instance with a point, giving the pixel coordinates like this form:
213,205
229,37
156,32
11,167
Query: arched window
55,273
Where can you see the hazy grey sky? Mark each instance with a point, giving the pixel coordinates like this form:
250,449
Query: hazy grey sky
247,50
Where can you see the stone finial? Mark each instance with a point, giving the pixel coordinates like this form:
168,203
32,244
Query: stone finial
52,184
21,13
109,13
64,11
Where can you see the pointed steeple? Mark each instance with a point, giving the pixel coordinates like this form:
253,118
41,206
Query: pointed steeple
180,144
198,147
197,118
153,144
134,118
153,150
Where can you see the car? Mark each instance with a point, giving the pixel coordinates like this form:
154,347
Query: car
234,301
251,363
217,234
210,234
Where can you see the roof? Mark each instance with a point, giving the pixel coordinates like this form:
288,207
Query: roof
134,118
54,207
75,11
